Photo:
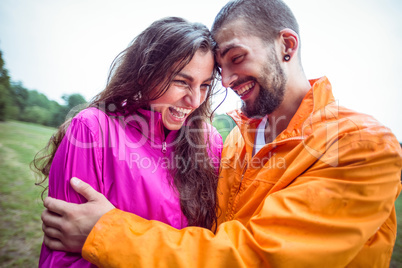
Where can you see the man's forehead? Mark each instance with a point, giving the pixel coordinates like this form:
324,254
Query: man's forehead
231,28
230,35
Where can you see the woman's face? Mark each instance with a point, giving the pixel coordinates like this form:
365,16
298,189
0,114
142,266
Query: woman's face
187,91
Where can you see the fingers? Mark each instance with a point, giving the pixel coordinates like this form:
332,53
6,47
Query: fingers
56,206
84,189
53,244
51,232
51,219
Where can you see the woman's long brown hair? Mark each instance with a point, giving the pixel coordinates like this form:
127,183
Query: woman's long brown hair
151,61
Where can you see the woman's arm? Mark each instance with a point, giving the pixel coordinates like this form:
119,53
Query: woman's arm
78,156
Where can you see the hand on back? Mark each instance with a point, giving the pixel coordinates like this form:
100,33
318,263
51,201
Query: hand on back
66,225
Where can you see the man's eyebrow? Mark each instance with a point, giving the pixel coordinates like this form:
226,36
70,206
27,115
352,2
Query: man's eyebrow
227,49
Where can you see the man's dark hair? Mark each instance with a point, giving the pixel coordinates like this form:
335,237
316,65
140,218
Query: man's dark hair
264,18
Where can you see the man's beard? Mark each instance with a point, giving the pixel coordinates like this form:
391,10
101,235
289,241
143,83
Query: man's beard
271,92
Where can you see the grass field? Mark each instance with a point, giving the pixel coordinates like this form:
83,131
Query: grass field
21,205
396,261
20,201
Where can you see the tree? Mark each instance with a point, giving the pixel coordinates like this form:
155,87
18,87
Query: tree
20,96
4,77
74,103
37,114
37,99
224,124
6,101
73,100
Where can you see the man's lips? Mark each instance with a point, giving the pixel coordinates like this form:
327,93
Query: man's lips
243,89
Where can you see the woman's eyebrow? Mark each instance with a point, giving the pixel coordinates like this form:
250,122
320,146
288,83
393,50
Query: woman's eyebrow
186,76
191,79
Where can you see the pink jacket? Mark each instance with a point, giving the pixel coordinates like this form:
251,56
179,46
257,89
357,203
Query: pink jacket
126,158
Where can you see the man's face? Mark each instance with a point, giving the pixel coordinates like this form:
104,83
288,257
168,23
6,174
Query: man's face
251,68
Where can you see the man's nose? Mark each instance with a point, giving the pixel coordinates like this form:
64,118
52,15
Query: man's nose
228,77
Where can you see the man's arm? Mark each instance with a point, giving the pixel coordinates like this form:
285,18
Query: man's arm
324,218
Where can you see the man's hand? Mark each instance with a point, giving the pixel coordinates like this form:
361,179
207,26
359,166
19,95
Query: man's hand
66,225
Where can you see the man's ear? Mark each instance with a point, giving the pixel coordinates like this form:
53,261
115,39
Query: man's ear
289,42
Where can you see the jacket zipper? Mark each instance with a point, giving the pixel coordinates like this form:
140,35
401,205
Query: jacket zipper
244,172
241,179
164,145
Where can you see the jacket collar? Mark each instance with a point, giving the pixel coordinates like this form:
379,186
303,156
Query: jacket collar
316,99
149,123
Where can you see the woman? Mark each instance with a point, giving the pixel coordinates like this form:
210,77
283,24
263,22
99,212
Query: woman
143,142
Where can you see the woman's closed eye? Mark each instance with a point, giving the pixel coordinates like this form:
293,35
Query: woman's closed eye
181,83
205,87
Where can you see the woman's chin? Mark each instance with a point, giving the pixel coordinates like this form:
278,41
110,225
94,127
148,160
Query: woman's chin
172,122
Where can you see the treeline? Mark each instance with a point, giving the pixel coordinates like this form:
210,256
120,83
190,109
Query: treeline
19,103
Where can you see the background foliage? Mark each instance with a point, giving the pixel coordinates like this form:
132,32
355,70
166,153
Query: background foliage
19,103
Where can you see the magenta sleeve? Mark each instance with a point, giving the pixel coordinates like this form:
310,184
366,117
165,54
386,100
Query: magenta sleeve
77,156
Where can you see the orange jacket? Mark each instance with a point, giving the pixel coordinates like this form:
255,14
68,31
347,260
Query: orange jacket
321,195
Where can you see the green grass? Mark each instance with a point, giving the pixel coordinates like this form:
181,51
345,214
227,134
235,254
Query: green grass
21,205
20,201
396,260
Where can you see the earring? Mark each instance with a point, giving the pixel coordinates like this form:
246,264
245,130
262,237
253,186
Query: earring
138,96
287,58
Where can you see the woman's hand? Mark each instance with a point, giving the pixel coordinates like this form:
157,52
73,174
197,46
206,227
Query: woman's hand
67,225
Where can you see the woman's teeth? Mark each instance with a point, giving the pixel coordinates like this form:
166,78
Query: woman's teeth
242,91
179,112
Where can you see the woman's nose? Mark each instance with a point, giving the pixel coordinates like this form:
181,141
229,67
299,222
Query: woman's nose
194,98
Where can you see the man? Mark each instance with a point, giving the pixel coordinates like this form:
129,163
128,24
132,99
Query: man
305,183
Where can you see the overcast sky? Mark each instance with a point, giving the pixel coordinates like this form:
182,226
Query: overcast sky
62,47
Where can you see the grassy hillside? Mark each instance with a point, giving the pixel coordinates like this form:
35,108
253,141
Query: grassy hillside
396,260
20,201
21,206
